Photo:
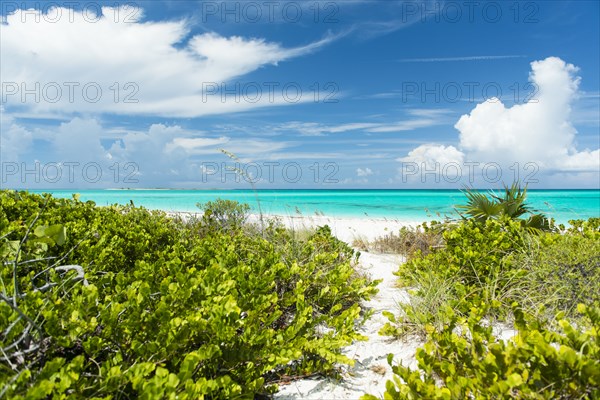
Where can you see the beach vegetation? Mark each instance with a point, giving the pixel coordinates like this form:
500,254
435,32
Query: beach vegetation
500,262
123,302
408,241
223,215
467,360
494,270
509,204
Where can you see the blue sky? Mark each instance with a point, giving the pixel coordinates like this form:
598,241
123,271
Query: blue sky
311,94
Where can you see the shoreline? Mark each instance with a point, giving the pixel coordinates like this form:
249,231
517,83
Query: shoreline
408,206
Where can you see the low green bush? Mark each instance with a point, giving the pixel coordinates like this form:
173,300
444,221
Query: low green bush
492,266
151,307
222,214
472,266
466,361
499,262
561,270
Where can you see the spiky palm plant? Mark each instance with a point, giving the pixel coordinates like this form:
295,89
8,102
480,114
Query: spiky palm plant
513,201
479,206
511,204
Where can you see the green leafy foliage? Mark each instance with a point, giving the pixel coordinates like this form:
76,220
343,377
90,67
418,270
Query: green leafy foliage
101,302
561,270
493,265
465,360
508,205
474,266
499,262
224,215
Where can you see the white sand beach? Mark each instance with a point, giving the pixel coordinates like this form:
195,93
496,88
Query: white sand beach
346,229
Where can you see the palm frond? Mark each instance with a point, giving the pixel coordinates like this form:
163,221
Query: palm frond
479,206
510,203
536,223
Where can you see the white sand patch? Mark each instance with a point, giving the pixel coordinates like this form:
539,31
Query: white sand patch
371,370
346,229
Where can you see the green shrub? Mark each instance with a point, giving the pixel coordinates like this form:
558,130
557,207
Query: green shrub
465,360
225,215
500,262
473,266
424,308
163,311
589,228
508,205
489,264
562,270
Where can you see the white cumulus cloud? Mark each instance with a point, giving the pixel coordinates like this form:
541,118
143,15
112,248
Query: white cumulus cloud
141,67
360,172
540,131
14,138
430,154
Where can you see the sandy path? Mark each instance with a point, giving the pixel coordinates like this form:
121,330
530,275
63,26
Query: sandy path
369,356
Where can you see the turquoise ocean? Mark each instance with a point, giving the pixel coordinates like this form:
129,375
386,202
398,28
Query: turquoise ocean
403,205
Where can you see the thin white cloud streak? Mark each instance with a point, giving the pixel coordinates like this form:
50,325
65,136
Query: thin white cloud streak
424,118
403,126
451,59
302,156
591,95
